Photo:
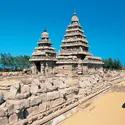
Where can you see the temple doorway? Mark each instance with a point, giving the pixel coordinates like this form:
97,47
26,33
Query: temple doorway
38,67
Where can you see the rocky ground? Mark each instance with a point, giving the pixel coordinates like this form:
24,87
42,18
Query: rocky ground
91,83
28,100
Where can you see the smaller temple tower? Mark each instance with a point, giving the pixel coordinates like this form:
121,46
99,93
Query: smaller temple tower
44,57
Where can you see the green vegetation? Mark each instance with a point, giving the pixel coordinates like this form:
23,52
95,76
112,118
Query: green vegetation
14,62
112,64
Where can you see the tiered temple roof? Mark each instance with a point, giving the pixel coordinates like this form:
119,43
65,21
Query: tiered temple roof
44,51
75,46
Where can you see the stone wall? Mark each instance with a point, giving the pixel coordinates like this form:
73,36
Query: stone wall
49,100
32,99
89,84
117,88
10,74
65,69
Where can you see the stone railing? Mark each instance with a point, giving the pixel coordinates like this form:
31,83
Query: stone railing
10,74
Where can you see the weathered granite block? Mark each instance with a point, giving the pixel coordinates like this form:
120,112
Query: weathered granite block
13,118
36,81
62,92
27,81
70,90
56,102
82,91
25,89
22,96
10,109
33,110
18,104
34,88
2,112
42,87
12,93
69,97
50,86
42,107
19,96
58,83
26,103
3,120
43,97
53,95
35,100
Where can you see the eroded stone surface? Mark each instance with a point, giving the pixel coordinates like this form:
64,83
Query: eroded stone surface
13,118
3,120
42,107
33,110
38,97
35,100
34,88
53,95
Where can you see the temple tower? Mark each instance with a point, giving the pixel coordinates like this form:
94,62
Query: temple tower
44,57
75,48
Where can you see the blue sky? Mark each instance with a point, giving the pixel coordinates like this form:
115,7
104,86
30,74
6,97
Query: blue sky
22,22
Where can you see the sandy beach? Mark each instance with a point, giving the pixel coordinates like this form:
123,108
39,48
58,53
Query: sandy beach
105,110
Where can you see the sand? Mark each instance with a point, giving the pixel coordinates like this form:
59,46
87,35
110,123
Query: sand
5,82
106,110
8,80
122,83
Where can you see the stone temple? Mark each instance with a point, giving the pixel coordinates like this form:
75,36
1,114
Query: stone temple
73,56
44,57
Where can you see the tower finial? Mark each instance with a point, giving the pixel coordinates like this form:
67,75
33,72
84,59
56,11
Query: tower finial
45,34
75,17
45,30
74,11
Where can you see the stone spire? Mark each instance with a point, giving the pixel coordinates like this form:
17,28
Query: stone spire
75,46
44,50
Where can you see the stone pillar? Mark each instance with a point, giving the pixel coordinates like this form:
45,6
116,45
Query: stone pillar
53,70
53,67
33,68
85,69
42,69
46,69
79,69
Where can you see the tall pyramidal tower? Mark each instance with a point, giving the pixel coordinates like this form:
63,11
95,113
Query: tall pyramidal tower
75,49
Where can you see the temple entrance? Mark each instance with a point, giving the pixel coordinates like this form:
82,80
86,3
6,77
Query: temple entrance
81,57
38,67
